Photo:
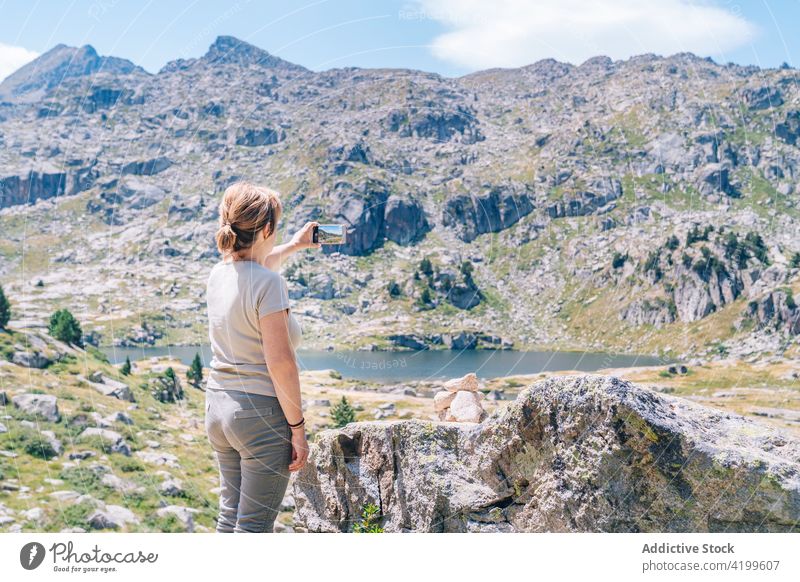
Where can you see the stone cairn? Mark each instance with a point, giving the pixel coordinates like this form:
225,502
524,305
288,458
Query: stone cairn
460,400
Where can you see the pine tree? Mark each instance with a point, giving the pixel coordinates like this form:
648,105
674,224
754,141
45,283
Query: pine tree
195,372
126,367
342,413
63,326
426,267
5,309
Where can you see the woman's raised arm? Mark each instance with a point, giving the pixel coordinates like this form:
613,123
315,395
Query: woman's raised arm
301,240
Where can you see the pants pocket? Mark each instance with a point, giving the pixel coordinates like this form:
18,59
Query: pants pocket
266,411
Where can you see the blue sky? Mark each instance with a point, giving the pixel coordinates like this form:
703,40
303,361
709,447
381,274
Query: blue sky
451,37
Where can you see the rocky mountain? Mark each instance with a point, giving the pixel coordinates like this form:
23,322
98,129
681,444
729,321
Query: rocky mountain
571,196
37,79
571,454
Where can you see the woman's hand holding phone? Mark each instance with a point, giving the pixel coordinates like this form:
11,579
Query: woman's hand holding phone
304,238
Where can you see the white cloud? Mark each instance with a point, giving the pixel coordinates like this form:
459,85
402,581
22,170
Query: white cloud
12,58
512,33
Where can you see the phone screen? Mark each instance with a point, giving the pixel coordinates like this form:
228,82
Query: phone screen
331,234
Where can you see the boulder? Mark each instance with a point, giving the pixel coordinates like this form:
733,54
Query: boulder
124,486
109,387
140,194
466,407
119,416
361,207
408,340
147,167
42,405
55,444
764,97
167,459
184,514
254,137
171,488
32,359
496,209
111,517
442,400
110,440
405,220
167,389
467,382
585,453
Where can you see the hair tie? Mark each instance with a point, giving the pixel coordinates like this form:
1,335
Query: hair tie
226,223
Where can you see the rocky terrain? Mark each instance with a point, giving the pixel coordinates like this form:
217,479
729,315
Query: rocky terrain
85,447
647,205
572,454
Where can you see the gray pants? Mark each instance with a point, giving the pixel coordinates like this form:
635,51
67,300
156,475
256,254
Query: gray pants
252,441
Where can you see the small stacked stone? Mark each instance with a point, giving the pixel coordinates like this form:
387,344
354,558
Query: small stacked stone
460,400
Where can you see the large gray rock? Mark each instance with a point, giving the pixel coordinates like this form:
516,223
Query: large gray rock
109,439
139,194
31,359
575,453
109,387
405,220
111,517
42,405
500,207
147,167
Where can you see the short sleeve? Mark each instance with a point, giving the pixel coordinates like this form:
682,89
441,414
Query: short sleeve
272,294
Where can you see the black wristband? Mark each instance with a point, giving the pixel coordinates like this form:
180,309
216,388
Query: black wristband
301,423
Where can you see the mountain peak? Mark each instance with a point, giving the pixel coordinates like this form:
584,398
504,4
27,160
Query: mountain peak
231,50
32,81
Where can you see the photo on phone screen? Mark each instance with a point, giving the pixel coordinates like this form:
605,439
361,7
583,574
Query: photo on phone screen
330,234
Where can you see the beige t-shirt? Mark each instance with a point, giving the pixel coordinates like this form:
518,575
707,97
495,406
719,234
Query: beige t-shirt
238,293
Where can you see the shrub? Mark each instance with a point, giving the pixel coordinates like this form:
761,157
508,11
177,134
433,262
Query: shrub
757,246
126,367
370,516
5,309
130,465
672,243
195,372
618,260
342,413
652,265
75,515
795,261
63,326
736,251
82,479
695,234
425,298
31,441
393,288
426,267
165,524
709,264
790,302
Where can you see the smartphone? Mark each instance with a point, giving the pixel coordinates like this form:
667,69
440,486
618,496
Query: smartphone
329,234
